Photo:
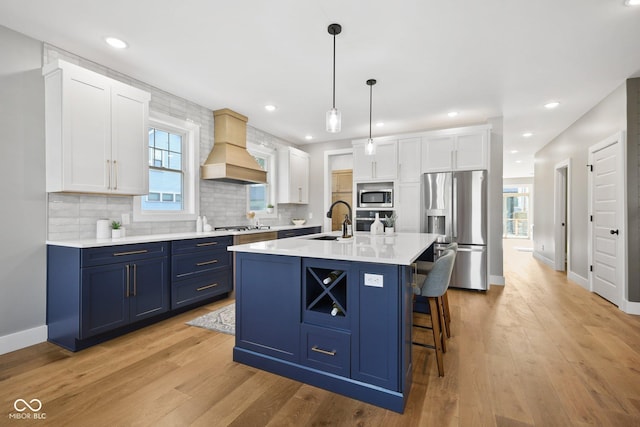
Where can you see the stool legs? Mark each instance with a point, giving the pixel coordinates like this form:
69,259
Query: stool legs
446,313
437,333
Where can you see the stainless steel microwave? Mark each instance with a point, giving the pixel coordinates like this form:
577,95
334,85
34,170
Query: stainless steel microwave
375,198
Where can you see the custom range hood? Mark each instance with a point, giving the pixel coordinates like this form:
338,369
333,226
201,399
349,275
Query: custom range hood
229,159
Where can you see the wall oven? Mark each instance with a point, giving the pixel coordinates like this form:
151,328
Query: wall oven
364,219
375,198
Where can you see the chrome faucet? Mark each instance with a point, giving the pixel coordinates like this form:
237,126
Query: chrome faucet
329,213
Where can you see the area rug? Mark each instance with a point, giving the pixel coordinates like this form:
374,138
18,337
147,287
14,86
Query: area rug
220,320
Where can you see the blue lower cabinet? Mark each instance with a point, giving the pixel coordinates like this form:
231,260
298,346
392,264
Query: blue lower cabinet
326,349
191,291
376,357
201,269
95,294
268,305
115,295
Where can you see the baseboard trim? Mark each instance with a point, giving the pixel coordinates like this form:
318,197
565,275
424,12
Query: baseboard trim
630,307
537,255
582,281
22,339
496,280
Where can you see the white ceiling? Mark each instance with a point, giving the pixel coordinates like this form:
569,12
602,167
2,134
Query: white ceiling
482,58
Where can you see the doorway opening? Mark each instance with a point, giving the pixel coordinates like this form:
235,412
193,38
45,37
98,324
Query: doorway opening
562,192
338,173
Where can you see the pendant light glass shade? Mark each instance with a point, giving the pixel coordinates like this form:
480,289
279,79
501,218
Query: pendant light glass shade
370,149
334,118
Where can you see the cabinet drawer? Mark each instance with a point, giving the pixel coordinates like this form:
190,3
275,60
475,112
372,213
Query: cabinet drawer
187,265
203,244
192,290
122,253
326,349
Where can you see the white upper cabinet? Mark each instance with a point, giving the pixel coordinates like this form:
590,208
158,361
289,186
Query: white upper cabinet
383,165
96,133
455,149
409,159
408,207
293,176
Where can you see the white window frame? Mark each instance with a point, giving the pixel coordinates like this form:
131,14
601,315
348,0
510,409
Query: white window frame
191,171
270,155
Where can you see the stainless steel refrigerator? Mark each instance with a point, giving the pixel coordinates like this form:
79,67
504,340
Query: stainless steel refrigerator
454,205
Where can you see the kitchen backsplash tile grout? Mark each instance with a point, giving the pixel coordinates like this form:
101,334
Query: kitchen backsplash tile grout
74,216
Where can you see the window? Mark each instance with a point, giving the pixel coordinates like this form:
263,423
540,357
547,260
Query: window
515,212
259,196
173,171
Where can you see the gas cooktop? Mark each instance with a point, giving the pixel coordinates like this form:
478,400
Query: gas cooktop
242,228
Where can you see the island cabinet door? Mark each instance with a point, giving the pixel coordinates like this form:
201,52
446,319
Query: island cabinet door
268,304
376,344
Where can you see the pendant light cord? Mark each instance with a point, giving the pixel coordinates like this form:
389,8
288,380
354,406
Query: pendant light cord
334,71
370,107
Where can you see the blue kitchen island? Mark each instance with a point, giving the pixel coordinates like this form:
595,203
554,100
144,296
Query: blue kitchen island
334,314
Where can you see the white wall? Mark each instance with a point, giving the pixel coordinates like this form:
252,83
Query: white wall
602,121
22,185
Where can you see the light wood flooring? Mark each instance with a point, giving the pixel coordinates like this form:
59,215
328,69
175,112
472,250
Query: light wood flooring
539,351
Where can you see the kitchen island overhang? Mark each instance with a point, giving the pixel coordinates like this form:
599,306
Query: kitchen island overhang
287,291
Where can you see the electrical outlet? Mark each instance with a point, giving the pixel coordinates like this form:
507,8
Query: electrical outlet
375,280
126,220
310,215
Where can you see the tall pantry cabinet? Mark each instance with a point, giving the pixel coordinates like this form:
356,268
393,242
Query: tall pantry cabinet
96,132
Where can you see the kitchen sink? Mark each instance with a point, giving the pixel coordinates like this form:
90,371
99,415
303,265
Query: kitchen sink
324,238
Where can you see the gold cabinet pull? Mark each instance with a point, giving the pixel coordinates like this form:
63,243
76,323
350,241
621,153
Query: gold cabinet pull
213,285
109,172
115,174
200,264
319,350
142,251
128,279
207,244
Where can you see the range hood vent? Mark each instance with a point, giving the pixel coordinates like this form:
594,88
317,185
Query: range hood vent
229,159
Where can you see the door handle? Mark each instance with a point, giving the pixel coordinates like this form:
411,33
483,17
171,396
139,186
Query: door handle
128,273
613,231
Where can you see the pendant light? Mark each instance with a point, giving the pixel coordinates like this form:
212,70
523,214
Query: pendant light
371,146
334,118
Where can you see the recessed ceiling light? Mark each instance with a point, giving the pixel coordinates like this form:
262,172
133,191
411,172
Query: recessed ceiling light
270,107
452,113
513,151
379,124
551,105
308,137
527,134
632,2
518,161
116,43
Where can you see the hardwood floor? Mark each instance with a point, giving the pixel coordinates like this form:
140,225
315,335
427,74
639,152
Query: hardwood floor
539,351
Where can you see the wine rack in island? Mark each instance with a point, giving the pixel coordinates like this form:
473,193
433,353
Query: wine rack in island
325,293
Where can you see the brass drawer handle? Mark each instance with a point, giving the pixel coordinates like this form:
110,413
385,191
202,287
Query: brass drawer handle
207,244
200,264
319,350
143,251
213,285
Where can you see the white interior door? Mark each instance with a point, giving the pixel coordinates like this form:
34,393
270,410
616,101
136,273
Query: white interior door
607,245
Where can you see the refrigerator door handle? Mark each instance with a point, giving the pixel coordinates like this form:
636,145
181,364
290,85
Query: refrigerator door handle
462,249
454,208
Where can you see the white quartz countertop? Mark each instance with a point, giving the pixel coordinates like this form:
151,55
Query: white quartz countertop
398,248
95,243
